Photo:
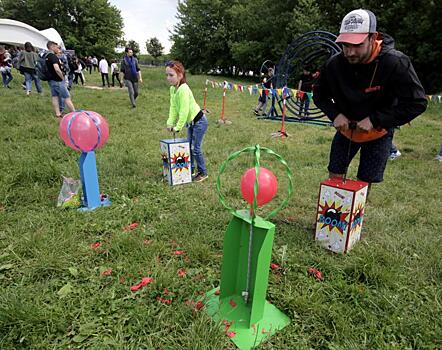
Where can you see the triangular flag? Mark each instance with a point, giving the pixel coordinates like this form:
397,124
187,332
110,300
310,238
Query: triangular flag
260,92
279,91
266,91
294,92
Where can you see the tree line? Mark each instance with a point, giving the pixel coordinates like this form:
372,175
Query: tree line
91,28
218,35
223,34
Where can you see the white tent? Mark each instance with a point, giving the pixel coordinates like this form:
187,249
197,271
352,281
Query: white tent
17,33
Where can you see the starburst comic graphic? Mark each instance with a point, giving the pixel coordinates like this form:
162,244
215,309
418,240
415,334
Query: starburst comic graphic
180,162
357,217
333,217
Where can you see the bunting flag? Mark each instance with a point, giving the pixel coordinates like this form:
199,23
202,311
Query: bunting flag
257,88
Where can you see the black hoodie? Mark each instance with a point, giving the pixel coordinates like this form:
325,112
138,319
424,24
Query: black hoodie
396,95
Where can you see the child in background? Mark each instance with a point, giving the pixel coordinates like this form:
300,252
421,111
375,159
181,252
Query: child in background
261,108
115,71
439,156
185,111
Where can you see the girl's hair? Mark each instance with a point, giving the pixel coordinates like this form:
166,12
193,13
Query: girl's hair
29,47
178,67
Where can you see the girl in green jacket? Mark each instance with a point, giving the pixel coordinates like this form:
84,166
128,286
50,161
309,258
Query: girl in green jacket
184,111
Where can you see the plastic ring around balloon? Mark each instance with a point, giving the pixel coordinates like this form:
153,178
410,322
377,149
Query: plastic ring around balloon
77,112
257,150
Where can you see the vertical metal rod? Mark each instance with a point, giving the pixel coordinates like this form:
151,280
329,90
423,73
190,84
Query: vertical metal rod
352,126
246,293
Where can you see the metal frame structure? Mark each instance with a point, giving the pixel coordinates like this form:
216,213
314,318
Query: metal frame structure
310,49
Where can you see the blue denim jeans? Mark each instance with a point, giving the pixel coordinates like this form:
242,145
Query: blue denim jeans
6,76
32,77
195,135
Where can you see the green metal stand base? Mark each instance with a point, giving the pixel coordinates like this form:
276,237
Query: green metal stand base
232,313
240,305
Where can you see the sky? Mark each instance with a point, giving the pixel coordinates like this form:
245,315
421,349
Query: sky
145,19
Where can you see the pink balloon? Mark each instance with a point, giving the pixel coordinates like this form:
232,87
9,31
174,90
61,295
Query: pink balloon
84,130
267,186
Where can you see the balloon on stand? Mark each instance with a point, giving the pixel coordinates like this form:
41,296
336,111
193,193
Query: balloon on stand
267,186
84,131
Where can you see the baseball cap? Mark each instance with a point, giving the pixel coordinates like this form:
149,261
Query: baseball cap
356,26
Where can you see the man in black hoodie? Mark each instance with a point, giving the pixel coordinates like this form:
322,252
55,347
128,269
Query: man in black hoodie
366,91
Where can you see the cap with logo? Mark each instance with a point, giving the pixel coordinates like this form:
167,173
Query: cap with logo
356,26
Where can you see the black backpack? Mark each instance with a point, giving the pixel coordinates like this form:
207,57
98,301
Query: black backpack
42,67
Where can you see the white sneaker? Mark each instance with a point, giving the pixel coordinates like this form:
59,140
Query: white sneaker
394,155
438,157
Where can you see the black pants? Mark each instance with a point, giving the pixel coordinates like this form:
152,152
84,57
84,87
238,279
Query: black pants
105,76
373,158
76,78
116,75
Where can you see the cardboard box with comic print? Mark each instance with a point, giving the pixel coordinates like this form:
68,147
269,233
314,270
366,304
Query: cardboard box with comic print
177,163
340,214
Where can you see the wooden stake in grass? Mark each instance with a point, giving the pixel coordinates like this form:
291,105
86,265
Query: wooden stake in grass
205,110
222,120
282,132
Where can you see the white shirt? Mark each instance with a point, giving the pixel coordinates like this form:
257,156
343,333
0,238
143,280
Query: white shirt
113,67
79,69
103,66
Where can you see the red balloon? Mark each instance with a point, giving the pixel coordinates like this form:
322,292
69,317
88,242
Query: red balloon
267,186
84,130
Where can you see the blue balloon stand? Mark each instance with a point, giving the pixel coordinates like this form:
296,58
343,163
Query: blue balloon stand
89,181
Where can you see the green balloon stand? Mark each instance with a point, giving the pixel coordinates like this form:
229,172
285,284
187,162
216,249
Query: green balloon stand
240,304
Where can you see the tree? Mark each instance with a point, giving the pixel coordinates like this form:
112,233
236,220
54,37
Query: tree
88,27
225,34
201,37
134,46
154,47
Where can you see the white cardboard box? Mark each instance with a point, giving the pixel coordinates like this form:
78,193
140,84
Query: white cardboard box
177,163
340,213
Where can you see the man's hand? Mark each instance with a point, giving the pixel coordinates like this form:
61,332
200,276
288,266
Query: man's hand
141,80
341,122
365,125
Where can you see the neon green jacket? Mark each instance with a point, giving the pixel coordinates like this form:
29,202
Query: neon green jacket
183,106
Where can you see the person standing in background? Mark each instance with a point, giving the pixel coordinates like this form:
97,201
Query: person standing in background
103,67
132,74
27,63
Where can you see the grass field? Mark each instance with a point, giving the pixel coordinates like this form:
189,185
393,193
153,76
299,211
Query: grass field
384,294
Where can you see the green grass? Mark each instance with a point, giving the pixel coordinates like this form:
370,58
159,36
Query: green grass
384,294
